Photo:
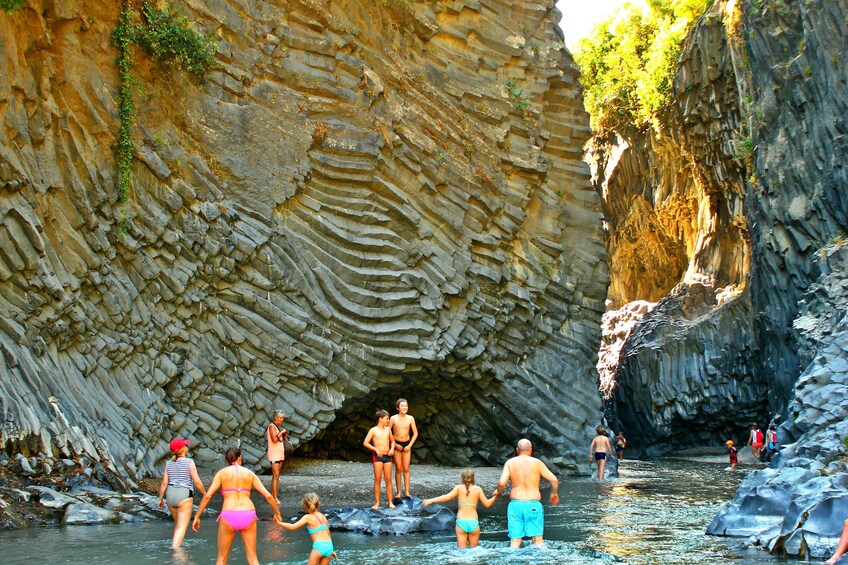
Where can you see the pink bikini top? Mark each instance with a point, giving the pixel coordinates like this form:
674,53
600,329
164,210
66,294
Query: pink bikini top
226,490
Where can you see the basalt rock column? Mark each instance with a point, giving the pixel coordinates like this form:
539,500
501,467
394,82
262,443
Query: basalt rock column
365,200
678,235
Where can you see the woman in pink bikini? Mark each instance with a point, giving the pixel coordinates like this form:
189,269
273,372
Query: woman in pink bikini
238,513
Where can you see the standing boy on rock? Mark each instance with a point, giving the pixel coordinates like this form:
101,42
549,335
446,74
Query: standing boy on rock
382,443
405,433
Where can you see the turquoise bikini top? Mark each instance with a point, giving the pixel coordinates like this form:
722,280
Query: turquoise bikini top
320,528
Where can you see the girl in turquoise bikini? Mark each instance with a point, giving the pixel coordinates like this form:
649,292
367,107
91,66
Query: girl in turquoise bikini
316,525
467,521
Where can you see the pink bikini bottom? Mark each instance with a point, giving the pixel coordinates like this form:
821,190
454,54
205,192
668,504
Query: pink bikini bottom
238,519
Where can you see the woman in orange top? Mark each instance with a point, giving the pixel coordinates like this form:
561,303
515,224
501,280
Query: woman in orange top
238,513
276,450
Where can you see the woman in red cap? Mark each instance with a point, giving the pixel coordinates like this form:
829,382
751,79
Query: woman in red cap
180,473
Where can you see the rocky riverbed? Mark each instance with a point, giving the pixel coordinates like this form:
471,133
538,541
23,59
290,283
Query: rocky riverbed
84,492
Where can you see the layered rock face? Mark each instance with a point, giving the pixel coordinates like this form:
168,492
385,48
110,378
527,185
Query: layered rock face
364,201
778,348
799,80
678,234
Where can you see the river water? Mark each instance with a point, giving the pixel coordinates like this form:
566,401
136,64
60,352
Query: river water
654,513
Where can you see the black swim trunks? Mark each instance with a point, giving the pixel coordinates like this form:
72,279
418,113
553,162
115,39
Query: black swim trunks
402,444
381,458
599,455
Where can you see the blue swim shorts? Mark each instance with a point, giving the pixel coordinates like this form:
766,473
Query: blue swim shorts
525,518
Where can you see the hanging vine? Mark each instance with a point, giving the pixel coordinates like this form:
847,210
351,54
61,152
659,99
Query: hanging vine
167,37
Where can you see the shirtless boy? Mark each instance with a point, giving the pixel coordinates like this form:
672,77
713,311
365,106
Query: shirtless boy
600,450
381,442
525,515
405,433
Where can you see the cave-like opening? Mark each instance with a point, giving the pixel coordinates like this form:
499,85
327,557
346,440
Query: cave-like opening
453,414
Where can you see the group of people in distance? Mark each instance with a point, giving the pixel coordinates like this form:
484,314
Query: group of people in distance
763,445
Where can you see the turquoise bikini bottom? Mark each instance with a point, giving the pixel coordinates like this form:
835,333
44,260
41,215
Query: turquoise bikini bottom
467,525
324,547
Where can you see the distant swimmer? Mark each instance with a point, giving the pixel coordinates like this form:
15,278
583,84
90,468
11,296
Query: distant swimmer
525,515
467,521
382,444
599,450
732,452
620,444
319,530
405,433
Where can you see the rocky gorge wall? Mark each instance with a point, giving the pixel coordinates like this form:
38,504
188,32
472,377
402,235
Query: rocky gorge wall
364,200
674,204
774,100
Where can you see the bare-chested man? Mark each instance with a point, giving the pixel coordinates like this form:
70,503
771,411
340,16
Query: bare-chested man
405,433
380,441
525,515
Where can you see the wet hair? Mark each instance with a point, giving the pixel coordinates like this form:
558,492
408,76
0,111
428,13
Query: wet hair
232,455
278,414
310,503
601,430
467,477
381,414
399,400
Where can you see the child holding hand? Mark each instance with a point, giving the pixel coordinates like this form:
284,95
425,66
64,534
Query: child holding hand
316,525
467,521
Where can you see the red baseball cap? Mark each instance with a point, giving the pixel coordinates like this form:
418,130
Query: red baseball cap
178,443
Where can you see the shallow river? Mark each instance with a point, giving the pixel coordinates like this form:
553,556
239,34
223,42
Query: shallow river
655,512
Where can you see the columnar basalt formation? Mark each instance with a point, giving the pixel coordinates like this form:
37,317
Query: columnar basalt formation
769,107
798,80
673,202
365,200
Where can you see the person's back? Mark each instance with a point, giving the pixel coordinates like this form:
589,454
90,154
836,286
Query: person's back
236,484
525,473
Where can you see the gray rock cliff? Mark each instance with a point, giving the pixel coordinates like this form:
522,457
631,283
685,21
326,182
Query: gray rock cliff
363,201
761,106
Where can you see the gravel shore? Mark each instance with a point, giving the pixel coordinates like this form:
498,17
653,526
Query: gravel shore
348,483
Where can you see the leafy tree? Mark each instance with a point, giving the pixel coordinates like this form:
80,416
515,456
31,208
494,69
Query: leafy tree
628,62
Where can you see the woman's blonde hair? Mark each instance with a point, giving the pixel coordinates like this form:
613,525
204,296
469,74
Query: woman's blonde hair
310,502
467,477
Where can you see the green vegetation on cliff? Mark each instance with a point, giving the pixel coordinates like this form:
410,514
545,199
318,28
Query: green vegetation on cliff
11,5
168,38
628,63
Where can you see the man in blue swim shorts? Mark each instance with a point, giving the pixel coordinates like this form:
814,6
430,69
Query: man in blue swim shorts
525,515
